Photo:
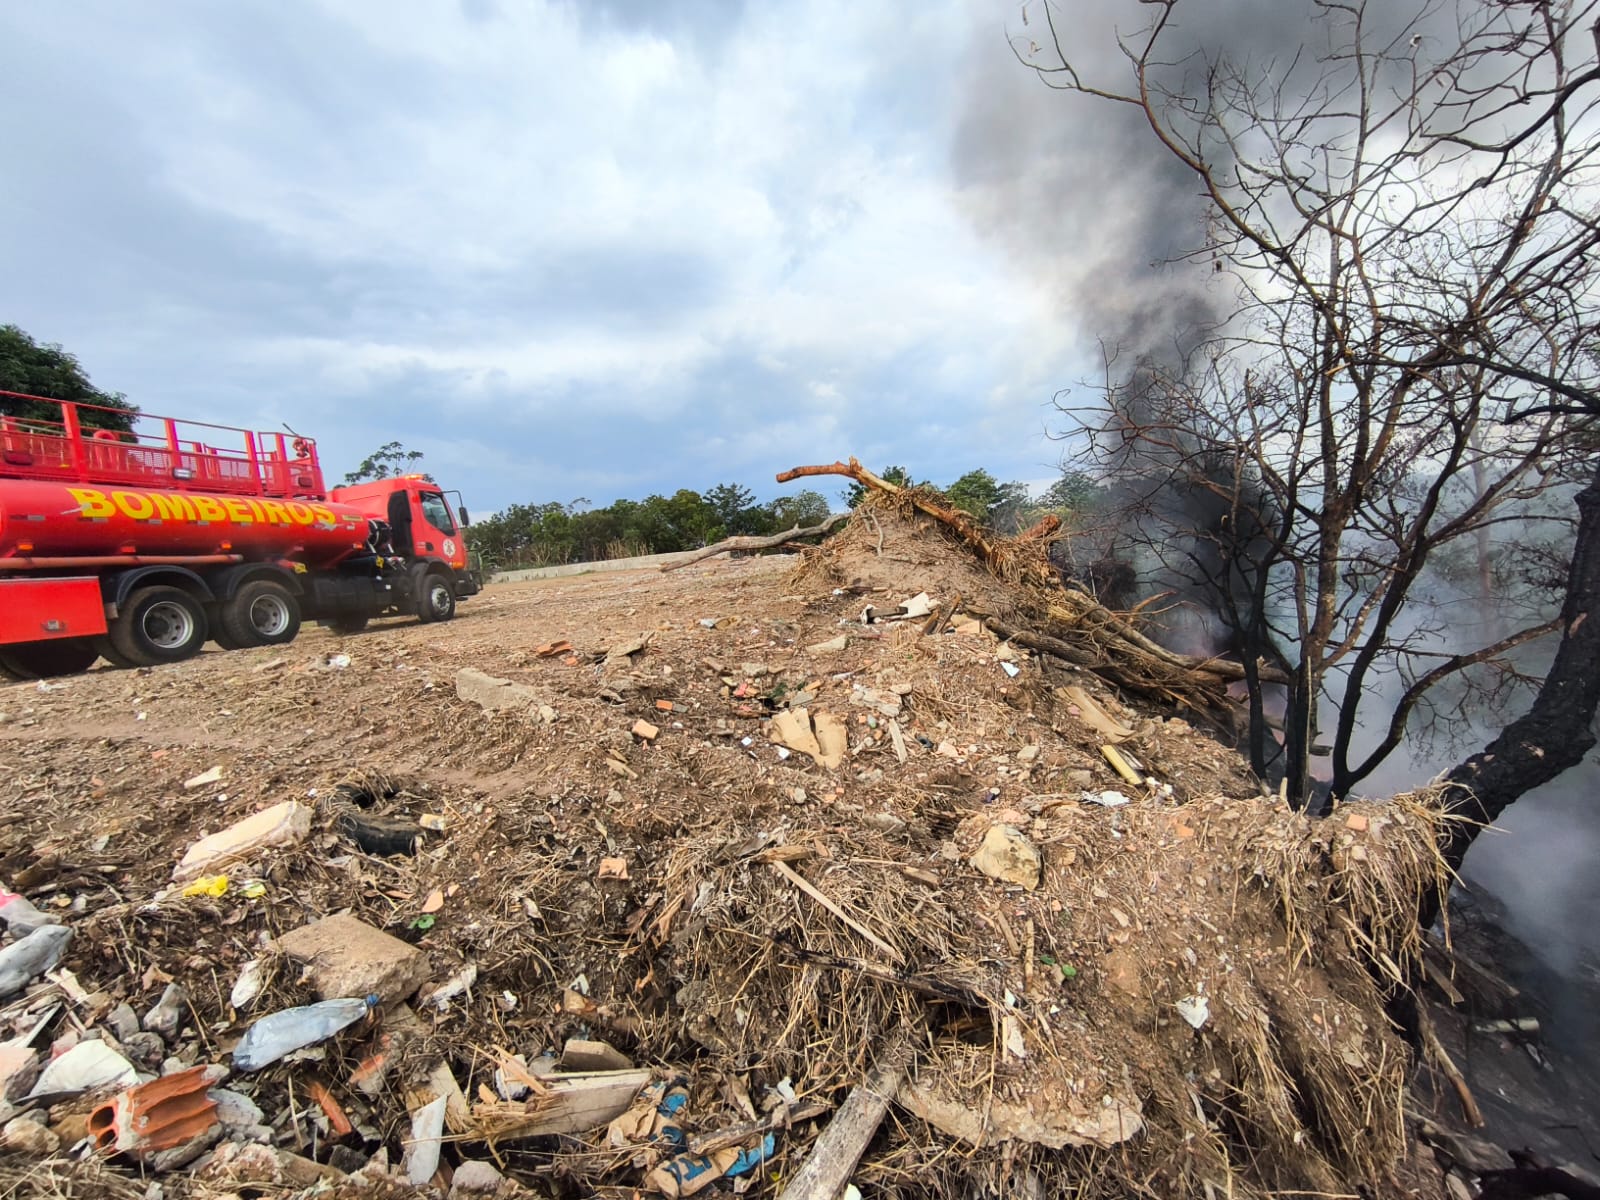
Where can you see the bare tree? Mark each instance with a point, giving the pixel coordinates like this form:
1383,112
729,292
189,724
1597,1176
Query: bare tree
1401,219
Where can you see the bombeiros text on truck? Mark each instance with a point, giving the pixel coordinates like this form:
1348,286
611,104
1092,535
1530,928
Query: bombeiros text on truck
139,546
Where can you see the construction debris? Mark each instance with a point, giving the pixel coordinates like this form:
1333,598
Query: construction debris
655,945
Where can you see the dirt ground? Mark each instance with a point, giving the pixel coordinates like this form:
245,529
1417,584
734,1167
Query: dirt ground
595,878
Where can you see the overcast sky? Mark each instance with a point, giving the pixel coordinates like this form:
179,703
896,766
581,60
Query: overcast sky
582,249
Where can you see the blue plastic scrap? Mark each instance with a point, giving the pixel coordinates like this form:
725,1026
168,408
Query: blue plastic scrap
753,1157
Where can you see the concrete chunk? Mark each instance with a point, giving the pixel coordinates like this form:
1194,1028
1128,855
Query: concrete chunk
348,957
492,693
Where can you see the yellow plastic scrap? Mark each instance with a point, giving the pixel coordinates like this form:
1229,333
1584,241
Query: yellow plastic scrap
253,890
208,885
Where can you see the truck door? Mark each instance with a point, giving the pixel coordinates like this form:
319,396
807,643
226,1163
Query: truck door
400,523
437,535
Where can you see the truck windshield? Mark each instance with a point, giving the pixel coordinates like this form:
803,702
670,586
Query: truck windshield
437,513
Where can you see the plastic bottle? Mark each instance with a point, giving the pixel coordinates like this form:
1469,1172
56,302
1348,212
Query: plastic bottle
270,1038
21,916
35,954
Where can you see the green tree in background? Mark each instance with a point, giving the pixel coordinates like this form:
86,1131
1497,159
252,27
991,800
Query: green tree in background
1074,492
387,461
543,534
736,510
801,510
44,369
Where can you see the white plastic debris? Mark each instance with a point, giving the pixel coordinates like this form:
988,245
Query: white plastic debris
248,986
427,1130
1107,799
1194,1009
86,1067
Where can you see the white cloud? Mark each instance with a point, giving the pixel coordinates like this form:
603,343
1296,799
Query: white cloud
543,217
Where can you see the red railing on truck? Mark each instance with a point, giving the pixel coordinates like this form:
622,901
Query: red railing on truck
159,452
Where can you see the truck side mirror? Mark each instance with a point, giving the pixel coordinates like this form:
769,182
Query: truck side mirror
465,519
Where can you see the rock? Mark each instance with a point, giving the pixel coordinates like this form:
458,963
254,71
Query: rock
474,1178
346,1158
1122,971
348,957
24,1135
831,646
167,1015
623,651
1028,754
580,1055
182,1156
257,1164
237,1113
1007,855
122,1021
145,1049
877,699
281,825
492,693
886,822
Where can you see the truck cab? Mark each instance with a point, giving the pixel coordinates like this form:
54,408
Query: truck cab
423,528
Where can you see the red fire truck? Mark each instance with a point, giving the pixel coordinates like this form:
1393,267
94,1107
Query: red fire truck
140,545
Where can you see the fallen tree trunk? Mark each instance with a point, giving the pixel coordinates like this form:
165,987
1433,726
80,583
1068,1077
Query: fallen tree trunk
753,542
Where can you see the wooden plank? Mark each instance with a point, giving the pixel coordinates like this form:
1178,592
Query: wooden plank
827,1169
572,1104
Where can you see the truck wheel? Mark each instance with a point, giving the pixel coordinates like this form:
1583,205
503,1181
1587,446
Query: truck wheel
44,660
344,626
261,613
159,625
436,598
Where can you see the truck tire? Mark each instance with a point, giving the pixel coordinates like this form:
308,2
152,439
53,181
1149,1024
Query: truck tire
111,654
45,660
344,626
261,613
159,625
436,597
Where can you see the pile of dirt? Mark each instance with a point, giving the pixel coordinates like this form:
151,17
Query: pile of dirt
618,825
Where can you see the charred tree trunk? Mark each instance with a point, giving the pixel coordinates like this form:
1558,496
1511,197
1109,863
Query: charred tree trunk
1558,730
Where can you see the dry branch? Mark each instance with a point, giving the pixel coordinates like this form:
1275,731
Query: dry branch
764,542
